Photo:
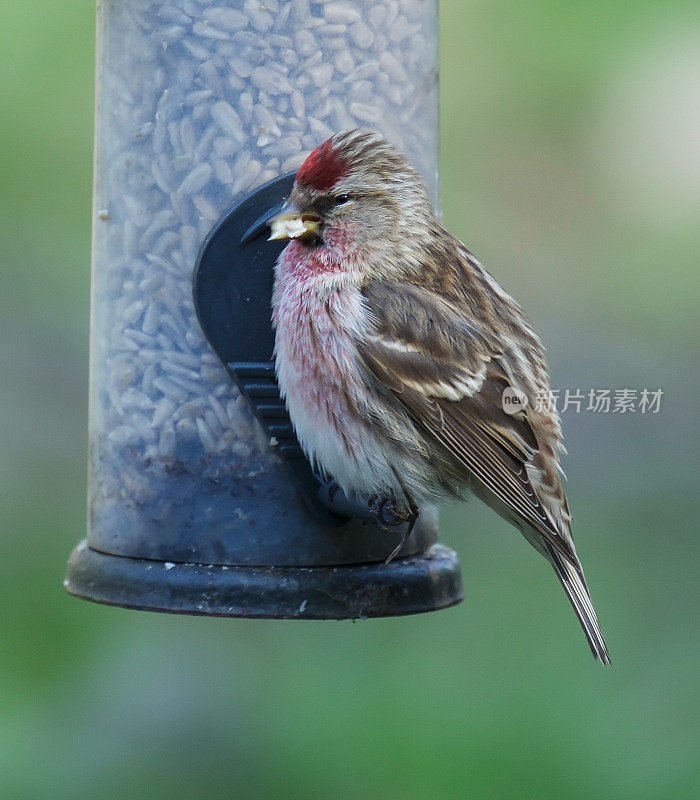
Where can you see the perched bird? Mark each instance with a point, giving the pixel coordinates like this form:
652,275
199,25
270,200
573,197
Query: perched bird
394,348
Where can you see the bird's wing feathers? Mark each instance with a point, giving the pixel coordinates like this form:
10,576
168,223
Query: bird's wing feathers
451,378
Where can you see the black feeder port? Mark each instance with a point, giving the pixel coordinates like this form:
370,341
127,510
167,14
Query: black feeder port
308,552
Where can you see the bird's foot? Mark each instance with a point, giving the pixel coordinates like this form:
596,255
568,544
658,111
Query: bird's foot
390,514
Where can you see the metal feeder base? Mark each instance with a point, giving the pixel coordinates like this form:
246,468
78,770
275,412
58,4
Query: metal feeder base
425,582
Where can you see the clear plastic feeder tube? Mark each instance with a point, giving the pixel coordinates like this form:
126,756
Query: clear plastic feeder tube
199,103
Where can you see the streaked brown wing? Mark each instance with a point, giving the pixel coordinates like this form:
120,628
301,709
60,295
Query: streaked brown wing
450,377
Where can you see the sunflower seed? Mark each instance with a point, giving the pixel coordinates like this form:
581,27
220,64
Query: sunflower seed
361,35
226,18
223,114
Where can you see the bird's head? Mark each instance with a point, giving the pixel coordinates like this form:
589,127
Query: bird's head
354,194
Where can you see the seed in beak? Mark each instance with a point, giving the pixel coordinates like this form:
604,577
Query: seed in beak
294,225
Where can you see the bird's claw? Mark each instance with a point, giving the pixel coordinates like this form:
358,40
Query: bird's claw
386,511
390,513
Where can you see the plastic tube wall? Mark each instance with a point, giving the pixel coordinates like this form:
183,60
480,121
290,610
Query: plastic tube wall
197,104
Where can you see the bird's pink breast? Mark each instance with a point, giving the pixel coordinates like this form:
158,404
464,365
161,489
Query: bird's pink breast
317,364
312,332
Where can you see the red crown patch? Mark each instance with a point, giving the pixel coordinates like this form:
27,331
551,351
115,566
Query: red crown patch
323,168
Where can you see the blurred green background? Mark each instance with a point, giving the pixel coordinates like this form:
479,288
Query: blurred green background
571,166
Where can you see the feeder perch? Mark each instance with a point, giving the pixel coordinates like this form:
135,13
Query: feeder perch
200,499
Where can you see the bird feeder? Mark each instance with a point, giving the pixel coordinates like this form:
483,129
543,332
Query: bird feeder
200,499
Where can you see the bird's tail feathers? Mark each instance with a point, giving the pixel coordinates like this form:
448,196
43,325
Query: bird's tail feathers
571,577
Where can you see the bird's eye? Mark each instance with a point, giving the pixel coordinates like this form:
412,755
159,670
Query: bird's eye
342,198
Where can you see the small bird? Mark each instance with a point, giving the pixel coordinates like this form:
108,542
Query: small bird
409,374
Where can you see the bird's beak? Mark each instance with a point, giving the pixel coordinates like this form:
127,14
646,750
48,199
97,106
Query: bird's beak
295,225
